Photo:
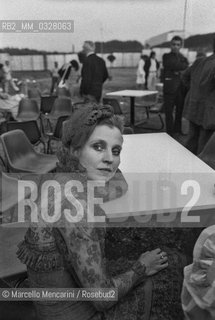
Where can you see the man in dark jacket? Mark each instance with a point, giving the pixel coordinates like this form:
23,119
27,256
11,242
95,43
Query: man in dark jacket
94,73
173,63
199,106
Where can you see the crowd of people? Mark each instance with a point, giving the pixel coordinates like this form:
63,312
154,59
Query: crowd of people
90,79
187,92
190,89
148,72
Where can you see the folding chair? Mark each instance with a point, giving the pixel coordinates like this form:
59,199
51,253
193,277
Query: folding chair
117,110
34,93
128,130
114,104
46,105
63,92
61,107
56,135
21,156
31,130
28,110
149,104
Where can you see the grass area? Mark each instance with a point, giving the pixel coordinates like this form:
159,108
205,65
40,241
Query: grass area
122,78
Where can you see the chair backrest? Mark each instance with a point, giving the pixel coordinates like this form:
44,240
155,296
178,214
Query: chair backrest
34,93
62,106
63,92
30,128
149,100
128,130
2,123
208,153
16,146
59,125
47,103
114,104
28,106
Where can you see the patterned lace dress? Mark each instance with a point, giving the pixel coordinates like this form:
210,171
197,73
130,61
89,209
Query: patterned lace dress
72,255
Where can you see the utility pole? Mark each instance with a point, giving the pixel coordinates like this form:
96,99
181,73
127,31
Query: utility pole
101,47
184,22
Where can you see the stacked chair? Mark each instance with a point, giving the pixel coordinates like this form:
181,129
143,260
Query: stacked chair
34,94
63,92
24,133
61,107
57,133
46,105
149,103
21,156
31,130
28,110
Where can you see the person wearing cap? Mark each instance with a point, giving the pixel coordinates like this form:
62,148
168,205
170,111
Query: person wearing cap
69,254
93,74
198,293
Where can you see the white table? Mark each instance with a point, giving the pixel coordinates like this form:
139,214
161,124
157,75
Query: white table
147,159
132,94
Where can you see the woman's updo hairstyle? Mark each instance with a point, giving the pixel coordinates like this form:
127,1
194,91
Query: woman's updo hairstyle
79,127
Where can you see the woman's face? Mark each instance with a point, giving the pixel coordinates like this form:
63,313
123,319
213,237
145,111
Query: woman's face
101,153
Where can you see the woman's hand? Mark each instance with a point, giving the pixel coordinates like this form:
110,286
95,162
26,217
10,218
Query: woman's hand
154,261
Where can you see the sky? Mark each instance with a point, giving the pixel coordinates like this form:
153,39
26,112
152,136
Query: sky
104,20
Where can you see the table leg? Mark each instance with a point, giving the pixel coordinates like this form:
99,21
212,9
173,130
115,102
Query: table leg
132,111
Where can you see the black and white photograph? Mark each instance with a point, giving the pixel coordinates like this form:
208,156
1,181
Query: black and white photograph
107,160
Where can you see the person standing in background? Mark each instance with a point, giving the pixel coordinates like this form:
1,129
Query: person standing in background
8,80
140,73
146,69
73,78
55,76
173,63
199,107
151,68
94,73
69,76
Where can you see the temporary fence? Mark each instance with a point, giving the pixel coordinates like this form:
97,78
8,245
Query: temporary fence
122,59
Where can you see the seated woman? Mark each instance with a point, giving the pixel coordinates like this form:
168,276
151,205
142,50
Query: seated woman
71,255
198,294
